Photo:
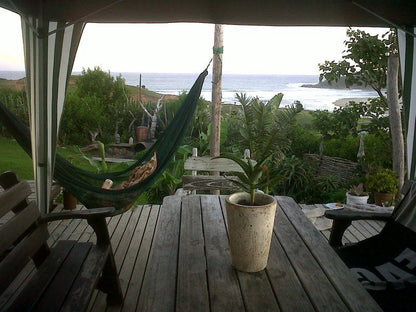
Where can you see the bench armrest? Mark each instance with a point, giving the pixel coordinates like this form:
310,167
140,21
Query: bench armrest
344,214
78,214
342,220
95,217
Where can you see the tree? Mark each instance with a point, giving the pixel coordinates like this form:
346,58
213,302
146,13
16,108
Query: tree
96,107
367,62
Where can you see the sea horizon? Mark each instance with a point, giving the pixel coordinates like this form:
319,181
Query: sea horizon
263,86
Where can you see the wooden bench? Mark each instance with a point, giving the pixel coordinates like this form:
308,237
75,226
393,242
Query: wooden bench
197,181
66,275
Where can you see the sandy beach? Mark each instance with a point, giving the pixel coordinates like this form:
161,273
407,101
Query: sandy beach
344,101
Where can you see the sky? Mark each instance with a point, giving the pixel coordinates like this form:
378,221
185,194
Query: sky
187,48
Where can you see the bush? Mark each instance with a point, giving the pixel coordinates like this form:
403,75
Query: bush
323,190
303,141
16,102
97,105
378,151
383,181
344,148
293,176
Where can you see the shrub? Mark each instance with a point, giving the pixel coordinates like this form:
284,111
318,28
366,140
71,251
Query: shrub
346,147
378,150
383,181
17,103
304,140
295,173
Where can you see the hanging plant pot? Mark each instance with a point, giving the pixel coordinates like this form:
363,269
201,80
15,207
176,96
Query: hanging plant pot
250,230
380,198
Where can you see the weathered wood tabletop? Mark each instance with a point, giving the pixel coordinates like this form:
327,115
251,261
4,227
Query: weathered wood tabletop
189,268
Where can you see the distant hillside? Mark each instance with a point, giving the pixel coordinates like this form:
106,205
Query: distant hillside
334,85
146,95
13,84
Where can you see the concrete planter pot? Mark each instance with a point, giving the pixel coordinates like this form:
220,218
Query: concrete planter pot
353,199
250,230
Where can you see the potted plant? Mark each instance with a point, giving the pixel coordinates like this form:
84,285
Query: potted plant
357,195
384,184
250,217
250,214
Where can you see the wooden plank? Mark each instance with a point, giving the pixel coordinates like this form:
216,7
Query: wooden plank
116,226
255,287
207,183
349,237
25,274
347,286
32,292
54,296
122,239
14,262
377,225
138,268
79,231
16,286
11,198
365,229
209,164
355,232
224,290
309,272
191,260
159,285
81,291
121,228
257,292
59,231
286,285
70,227
17,225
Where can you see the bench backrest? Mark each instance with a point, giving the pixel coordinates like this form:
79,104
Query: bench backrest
198,181
20,236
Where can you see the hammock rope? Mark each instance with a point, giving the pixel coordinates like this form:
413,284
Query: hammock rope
86,186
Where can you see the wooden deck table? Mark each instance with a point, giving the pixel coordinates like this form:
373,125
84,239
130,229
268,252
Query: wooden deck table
189,268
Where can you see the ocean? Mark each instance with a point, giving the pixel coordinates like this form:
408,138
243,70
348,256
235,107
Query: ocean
262,86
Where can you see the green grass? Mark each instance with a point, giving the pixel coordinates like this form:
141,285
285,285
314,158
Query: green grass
14,158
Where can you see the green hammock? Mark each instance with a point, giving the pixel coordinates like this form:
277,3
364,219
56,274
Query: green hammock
86,186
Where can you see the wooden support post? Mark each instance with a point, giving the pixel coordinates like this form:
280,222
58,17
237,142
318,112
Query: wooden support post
194,172
216,93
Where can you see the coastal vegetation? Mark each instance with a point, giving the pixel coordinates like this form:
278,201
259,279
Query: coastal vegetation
99,106
302,131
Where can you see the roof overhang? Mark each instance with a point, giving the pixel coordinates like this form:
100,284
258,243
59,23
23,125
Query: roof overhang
238,12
